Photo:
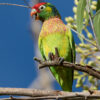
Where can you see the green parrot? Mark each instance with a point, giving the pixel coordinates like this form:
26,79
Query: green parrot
55,34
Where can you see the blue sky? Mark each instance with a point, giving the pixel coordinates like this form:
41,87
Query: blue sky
17,68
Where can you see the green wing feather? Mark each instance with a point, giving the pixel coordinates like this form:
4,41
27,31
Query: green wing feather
72,44
40,44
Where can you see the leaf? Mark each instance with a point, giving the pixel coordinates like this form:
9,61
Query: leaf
87,14
80,14
96,23
98,5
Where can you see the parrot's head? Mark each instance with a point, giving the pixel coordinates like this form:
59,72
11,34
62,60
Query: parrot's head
44,11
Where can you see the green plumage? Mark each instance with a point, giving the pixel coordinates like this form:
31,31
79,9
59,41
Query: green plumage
55,34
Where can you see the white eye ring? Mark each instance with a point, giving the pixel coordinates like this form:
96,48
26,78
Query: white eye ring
42,7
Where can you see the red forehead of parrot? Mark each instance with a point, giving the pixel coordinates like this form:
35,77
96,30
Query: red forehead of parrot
35,8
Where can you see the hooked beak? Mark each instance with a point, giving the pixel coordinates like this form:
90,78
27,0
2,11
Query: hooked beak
33,13
36,14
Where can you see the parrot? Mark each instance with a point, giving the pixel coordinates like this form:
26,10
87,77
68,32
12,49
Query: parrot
55,34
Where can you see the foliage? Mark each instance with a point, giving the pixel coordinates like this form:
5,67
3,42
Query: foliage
88,53
97,21
80,13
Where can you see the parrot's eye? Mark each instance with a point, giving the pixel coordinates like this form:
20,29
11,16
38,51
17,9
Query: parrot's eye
41,7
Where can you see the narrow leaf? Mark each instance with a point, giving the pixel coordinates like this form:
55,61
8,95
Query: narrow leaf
87,15
80,14
97,26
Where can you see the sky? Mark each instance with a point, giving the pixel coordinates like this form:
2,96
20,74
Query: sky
17,68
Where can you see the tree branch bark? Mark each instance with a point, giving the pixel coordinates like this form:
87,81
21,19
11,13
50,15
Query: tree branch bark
10,4
87,69
34,94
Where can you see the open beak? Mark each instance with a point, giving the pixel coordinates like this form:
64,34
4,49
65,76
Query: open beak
36,15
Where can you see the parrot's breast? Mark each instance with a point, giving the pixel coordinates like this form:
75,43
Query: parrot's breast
52,26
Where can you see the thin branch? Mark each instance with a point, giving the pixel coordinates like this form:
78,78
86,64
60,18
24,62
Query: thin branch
14,5
83,37
91,21
44,94
87,69
96,14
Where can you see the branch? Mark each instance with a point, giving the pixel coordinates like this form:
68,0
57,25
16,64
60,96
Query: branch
89,41
96,14
87,69
44,94
14,5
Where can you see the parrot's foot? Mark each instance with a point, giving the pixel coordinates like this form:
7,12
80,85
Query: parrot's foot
51,56
55,57
61,60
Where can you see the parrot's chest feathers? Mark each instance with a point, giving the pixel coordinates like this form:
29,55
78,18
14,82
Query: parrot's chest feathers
52,26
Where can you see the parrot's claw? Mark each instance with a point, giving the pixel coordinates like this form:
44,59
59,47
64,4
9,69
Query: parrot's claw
56,53
61,60
50,56
55,57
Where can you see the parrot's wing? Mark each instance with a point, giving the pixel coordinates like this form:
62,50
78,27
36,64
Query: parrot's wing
40,44
72,45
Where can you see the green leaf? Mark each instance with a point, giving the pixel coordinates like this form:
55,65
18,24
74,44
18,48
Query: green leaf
96,21
87,15
80,13
98,5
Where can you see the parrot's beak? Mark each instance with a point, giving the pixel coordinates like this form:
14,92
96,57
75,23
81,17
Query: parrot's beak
36,15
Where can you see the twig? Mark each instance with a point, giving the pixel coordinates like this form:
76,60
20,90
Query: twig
96,14
87,69
14,5
91,21
83,37
38,60
44,94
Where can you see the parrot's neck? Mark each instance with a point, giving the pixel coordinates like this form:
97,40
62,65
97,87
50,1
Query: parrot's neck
52,26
